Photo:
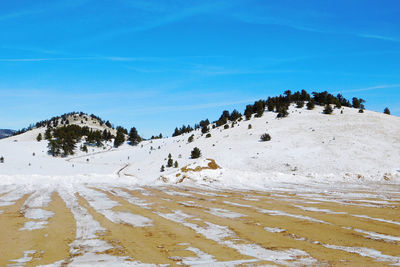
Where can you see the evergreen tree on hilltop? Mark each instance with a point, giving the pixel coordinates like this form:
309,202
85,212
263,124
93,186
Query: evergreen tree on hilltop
270,104
282,112
223,119
358,103
386,111
120,138
328,109
108,124
235,115
204,123
248,112
300,104
39,137
134,137
47,134
259,107
122,129
204,129
311,104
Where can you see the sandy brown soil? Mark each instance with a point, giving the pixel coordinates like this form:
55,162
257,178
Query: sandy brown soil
327,229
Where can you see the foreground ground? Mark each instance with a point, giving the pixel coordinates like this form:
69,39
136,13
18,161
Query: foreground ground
125,225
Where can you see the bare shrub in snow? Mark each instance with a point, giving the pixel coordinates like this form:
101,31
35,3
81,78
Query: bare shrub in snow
265,137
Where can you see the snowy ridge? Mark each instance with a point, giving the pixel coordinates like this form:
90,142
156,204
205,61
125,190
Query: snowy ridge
307,146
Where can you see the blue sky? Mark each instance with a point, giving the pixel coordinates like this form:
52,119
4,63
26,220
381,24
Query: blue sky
160,64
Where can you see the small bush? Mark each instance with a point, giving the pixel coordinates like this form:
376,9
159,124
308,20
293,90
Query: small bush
282,113
299,104
311,105
84,148
386,111
328,109
196,153
1,159
226,126
361,111
208,135
176,164
205,129
39,137
249,127
265,137
162,168
170,162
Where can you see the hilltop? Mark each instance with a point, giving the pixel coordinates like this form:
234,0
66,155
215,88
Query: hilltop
307,145
6,133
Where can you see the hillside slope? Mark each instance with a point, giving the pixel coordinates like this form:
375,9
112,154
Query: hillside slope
307,145
5,133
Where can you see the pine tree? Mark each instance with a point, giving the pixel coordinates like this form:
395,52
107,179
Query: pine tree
120,138
191,138
328,109
170,162
84,148
386,111
39,137
176,164
235,115
134,137
162,168
259,108
282,112
204,129
311,104
47,134
196,153
299,104
248,112
1,159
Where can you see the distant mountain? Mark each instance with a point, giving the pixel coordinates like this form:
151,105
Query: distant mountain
6,133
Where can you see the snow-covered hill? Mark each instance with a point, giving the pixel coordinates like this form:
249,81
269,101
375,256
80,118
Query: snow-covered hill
306,146
5,133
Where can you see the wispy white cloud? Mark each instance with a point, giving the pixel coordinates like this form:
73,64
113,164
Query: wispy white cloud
19,14
38,9
379,37
270,20
155,16
371,88
302,26
106,58
37,50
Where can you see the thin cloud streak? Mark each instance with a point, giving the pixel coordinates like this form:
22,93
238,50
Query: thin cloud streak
372,88
159,20
379,37
33,11
307,28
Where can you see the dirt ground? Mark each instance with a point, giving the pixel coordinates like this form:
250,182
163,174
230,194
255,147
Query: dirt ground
189,226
